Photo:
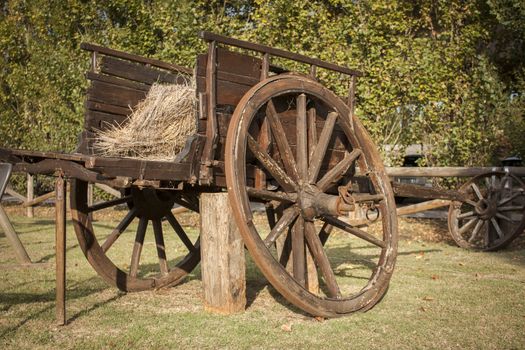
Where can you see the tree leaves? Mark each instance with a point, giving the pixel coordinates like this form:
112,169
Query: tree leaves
438,73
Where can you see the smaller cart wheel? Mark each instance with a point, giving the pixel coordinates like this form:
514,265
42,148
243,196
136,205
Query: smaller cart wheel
493,217
122,266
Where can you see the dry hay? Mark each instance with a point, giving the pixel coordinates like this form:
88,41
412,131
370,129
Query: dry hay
156,129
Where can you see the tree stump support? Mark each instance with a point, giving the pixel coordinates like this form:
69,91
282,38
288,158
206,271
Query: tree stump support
222,256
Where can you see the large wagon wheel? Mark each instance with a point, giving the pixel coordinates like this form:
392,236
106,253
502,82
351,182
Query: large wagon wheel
305,118
144,205
493,217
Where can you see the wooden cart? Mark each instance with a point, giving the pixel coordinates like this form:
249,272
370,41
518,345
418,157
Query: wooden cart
266,136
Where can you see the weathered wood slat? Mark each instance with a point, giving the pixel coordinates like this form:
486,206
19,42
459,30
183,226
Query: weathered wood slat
95,120
450,171
277,52
117,81
233,62
135,58
114,94
415,191
228,93
137,72
106,108
38,155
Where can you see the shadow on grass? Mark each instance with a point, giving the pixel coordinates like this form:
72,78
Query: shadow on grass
94,307
257,282
73,292
13,329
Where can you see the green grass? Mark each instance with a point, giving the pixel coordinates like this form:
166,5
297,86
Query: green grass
440,297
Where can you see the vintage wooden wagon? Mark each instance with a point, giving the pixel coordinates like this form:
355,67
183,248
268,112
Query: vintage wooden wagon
265,135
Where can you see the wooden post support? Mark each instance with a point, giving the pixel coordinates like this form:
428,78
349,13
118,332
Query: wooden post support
18,247
60,249
222,256
30,195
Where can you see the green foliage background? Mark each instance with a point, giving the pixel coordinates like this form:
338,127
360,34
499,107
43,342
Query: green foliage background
446,74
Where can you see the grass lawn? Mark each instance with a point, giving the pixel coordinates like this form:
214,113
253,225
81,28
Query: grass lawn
440,297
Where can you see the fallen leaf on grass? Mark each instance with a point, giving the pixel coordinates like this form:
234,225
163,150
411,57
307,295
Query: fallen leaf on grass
422,309
319,318
428,298
420,255
461,264
287,327
435,277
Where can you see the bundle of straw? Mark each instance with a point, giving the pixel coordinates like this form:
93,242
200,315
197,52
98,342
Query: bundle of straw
156,129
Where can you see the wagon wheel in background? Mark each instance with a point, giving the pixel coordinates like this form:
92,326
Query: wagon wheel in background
315,146
494,216
121,266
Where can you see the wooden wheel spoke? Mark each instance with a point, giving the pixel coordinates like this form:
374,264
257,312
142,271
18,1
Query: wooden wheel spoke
496,226
325,232
289,215
504,217
180,232
468,225
270,215
322,146
508,199
271,195
319,255
338,171
281,140
137,247
487,183
298,252
302,138
504,181
466,215
312,131
121,227
108,204
161,248
354,231
476,190
271,165
512,208
476,230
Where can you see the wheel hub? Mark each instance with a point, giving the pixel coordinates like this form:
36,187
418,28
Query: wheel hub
314,203
486,209
150,203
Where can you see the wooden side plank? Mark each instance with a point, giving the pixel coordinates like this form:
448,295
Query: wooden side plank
137,72
228,93
277,52
135,58
94,120
107,108
117,81
234,63
114,94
